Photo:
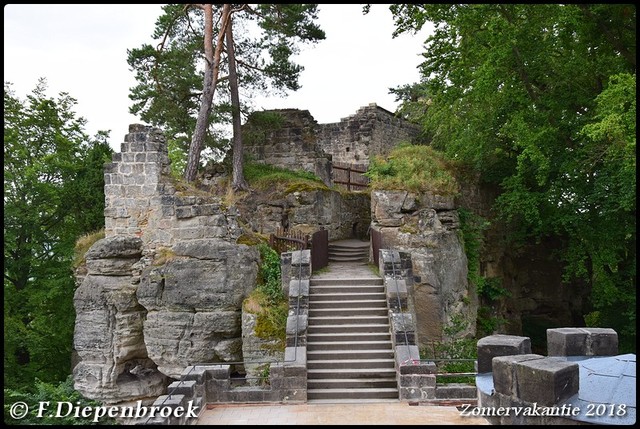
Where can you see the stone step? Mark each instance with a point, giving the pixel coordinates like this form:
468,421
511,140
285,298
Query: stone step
353,303
350,245
350,363
332,281
345,296
348,251
315,355
358,328
365,393
342,288
349,320
348,311
349,373
352,383
348,337
348,345
350,257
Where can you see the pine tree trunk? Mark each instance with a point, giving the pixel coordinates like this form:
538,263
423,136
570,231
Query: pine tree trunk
211,72
238,183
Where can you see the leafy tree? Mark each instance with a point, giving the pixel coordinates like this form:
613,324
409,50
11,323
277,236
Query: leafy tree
60,393
53,193
253,44
540,100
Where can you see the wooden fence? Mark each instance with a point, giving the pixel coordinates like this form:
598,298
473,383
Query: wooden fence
285,241
350,176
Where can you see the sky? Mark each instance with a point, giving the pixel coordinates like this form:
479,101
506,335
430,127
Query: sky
82,50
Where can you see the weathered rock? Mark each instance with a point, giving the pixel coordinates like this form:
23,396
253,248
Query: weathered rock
257,352
425,226
108,337
194,302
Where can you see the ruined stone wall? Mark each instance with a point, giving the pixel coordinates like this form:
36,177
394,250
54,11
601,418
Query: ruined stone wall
372,130
292,144
164,289
141,199
342,215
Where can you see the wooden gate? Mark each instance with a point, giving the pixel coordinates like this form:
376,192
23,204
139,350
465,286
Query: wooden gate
286,241
320,249
376,245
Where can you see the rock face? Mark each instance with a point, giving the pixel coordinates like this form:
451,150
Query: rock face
342,215
425,225
193,303
114,365
164,289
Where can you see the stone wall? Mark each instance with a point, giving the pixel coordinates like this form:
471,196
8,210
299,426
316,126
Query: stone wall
371,131
343,215
293,145
426,227
300,143
164,289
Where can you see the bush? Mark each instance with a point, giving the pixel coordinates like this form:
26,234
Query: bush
62,394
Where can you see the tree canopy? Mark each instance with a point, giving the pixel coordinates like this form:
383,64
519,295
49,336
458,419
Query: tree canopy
53,194
170,76
540,100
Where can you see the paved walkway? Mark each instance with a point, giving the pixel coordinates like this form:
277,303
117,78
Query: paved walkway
379,413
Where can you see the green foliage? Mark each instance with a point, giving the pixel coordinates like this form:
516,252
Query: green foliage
449,351
541,101
53,194
178,157
265,176
270,275
169,71
267,300
487,323
260,124
61,393
412,168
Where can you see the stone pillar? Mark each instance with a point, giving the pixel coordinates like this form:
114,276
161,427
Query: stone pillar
582,342
500,345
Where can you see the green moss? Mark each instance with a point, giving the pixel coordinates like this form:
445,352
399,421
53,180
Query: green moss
269,177
250,239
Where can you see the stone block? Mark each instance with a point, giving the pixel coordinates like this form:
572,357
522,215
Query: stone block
504,372
547,381
300,257
184,387
404,338
417,394
299,288
396,292
582,342
297,325
220,372
500,345
602,342
406,355
418,380
401,321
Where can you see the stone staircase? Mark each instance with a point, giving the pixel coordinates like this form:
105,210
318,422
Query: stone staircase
349,351
349,251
